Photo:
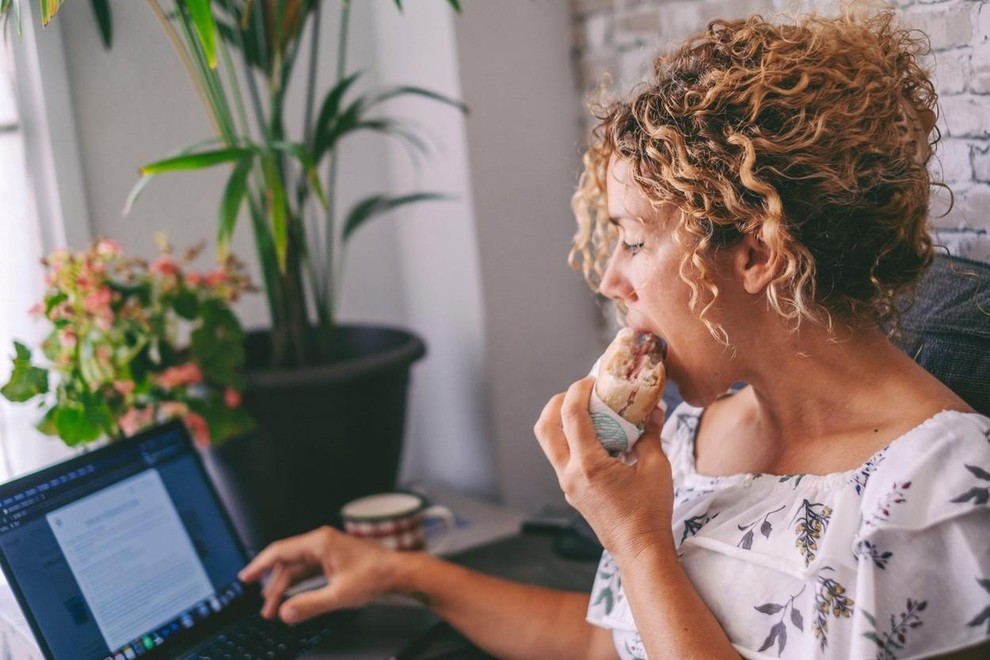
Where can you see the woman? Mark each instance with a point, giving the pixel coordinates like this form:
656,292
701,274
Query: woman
764,200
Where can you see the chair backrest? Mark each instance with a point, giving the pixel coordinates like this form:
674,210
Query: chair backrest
947,329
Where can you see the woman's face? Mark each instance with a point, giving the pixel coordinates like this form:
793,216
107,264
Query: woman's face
643,273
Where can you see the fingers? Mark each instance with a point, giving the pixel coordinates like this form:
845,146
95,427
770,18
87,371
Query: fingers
550,434
290,550
282,577
649,445
311,603
578,428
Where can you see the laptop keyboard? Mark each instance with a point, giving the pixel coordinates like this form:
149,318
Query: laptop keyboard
255,638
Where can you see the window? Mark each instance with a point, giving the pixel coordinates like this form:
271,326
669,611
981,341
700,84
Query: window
37,180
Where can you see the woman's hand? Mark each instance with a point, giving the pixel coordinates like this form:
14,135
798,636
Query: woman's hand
357,571
629,507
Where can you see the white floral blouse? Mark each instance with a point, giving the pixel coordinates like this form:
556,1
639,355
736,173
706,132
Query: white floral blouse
891,560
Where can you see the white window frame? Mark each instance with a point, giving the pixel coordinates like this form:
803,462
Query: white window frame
47,120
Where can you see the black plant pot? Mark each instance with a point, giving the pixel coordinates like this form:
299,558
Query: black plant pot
326,434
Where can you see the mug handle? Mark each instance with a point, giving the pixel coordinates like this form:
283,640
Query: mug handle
446,517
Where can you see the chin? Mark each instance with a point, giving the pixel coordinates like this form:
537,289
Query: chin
698,398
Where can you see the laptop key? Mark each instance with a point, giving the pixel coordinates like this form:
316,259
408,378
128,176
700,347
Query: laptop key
258,638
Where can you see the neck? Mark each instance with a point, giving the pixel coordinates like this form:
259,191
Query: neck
823,391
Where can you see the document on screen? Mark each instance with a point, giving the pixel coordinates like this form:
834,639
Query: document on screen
131,556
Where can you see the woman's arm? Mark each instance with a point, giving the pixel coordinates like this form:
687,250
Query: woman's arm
506,619
629,507
669,613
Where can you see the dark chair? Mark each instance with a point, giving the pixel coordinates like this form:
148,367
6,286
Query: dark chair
947,329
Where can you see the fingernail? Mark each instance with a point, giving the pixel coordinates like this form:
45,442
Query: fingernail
289,614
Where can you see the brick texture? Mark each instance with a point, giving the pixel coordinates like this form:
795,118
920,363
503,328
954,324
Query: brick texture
620,37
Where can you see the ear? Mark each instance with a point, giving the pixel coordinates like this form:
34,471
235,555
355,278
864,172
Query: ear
756,264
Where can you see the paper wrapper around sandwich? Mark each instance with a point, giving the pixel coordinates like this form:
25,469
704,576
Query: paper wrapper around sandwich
615,433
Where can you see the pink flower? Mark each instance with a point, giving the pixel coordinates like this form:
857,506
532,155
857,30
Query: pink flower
170,409
125,387
98,302
135,419
37,310
199,429
183,374
231,397
164,265
194,278
57,259
67,338
215,277
107,248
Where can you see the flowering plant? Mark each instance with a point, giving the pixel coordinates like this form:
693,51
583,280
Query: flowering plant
133,343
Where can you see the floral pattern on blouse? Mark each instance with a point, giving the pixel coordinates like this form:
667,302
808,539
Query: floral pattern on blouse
835,565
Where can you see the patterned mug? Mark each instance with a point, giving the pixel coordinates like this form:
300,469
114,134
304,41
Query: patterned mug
396,520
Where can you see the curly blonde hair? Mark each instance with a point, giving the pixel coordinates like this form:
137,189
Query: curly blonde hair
813,137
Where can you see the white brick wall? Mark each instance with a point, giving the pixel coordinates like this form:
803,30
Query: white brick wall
620,37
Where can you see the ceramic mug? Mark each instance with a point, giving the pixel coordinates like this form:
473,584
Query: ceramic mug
396,520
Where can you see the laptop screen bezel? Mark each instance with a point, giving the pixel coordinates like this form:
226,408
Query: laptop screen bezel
253,596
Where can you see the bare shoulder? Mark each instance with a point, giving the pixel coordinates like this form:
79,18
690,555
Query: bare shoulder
729,416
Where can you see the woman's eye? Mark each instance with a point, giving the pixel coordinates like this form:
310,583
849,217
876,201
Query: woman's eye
632,248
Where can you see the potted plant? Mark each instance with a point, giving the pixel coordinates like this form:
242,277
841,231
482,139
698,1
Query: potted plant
133,343
327,397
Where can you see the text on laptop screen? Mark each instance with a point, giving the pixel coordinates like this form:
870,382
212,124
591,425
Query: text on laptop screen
115,554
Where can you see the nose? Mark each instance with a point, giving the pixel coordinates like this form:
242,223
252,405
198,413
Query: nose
614,283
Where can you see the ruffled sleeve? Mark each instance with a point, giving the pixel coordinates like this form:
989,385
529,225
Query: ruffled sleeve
923,545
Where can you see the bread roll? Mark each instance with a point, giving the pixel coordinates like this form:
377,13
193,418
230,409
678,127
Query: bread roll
631,375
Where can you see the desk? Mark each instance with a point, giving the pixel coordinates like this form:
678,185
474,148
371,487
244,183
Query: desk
378,631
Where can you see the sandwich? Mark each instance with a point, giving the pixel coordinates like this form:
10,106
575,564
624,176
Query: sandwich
631,375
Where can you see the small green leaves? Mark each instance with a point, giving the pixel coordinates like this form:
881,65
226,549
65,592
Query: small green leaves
26,381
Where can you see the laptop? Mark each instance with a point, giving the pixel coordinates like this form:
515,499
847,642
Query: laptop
127,552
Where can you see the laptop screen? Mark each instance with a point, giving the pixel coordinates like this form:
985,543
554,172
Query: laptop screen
117,551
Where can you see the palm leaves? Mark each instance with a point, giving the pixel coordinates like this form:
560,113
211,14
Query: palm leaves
240,55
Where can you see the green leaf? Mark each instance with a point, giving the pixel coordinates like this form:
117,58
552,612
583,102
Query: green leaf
455,4
206,28
195,161
233,197
104,20
145,180
48,10
379,204
277,207
217,345
5,6
85,421
47,423
26,380
224,423
411,90
186,304
298,151
398,3
330,111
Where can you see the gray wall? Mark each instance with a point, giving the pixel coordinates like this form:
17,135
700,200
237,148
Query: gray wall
523,139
